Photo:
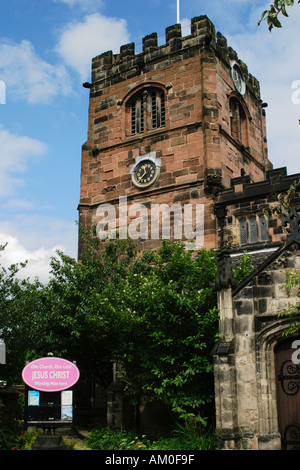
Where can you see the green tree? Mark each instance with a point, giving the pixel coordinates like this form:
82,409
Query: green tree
167,308
19,302
277,8
38,319
155,313
69,328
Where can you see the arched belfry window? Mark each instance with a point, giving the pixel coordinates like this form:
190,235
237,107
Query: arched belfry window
147,110
238,121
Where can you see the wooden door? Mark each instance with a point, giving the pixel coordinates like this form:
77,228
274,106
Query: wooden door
288,393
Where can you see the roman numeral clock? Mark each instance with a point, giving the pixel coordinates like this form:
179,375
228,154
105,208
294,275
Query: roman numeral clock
145,171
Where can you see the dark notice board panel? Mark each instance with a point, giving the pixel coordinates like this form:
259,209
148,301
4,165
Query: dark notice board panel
49,407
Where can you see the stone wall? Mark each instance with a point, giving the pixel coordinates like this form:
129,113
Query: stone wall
245,199
250,325
245,378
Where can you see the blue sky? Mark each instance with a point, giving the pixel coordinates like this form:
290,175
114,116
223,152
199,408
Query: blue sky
46,49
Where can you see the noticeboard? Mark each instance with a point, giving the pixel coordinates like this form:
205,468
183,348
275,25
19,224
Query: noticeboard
53,408
49,391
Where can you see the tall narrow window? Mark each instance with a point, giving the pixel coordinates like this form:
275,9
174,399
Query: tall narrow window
147,110
158,112
133,118
243,231
253,229
238,122
263,225
137,116
154,111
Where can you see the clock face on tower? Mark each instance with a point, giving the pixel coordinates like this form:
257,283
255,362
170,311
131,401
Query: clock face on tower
238,78
145,173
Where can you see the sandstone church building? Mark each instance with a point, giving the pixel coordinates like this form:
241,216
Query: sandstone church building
184,124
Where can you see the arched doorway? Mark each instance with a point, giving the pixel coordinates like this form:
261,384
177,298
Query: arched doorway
287,364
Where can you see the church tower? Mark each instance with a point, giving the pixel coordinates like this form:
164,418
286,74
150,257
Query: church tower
169,127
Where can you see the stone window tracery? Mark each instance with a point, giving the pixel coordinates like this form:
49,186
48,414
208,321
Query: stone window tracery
253,229
147,110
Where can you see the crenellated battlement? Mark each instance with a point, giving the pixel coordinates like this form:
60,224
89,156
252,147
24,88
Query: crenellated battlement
109,68
243,190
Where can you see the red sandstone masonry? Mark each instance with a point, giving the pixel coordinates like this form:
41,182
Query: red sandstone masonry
195,146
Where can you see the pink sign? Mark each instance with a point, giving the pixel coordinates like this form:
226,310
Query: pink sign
50,374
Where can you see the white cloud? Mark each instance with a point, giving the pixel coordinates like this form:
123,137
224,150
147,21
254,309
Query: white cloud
19,204
15,152
81,41
36,238
37,260
86,5
28,77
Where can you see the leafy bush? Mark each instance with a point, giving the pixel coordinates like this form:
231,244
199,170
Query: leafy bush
107,439
13,436
8,437
244,269
192,435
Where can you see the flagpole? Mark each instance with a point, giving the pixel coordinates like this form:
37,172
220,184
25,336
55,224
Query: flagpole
178,12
